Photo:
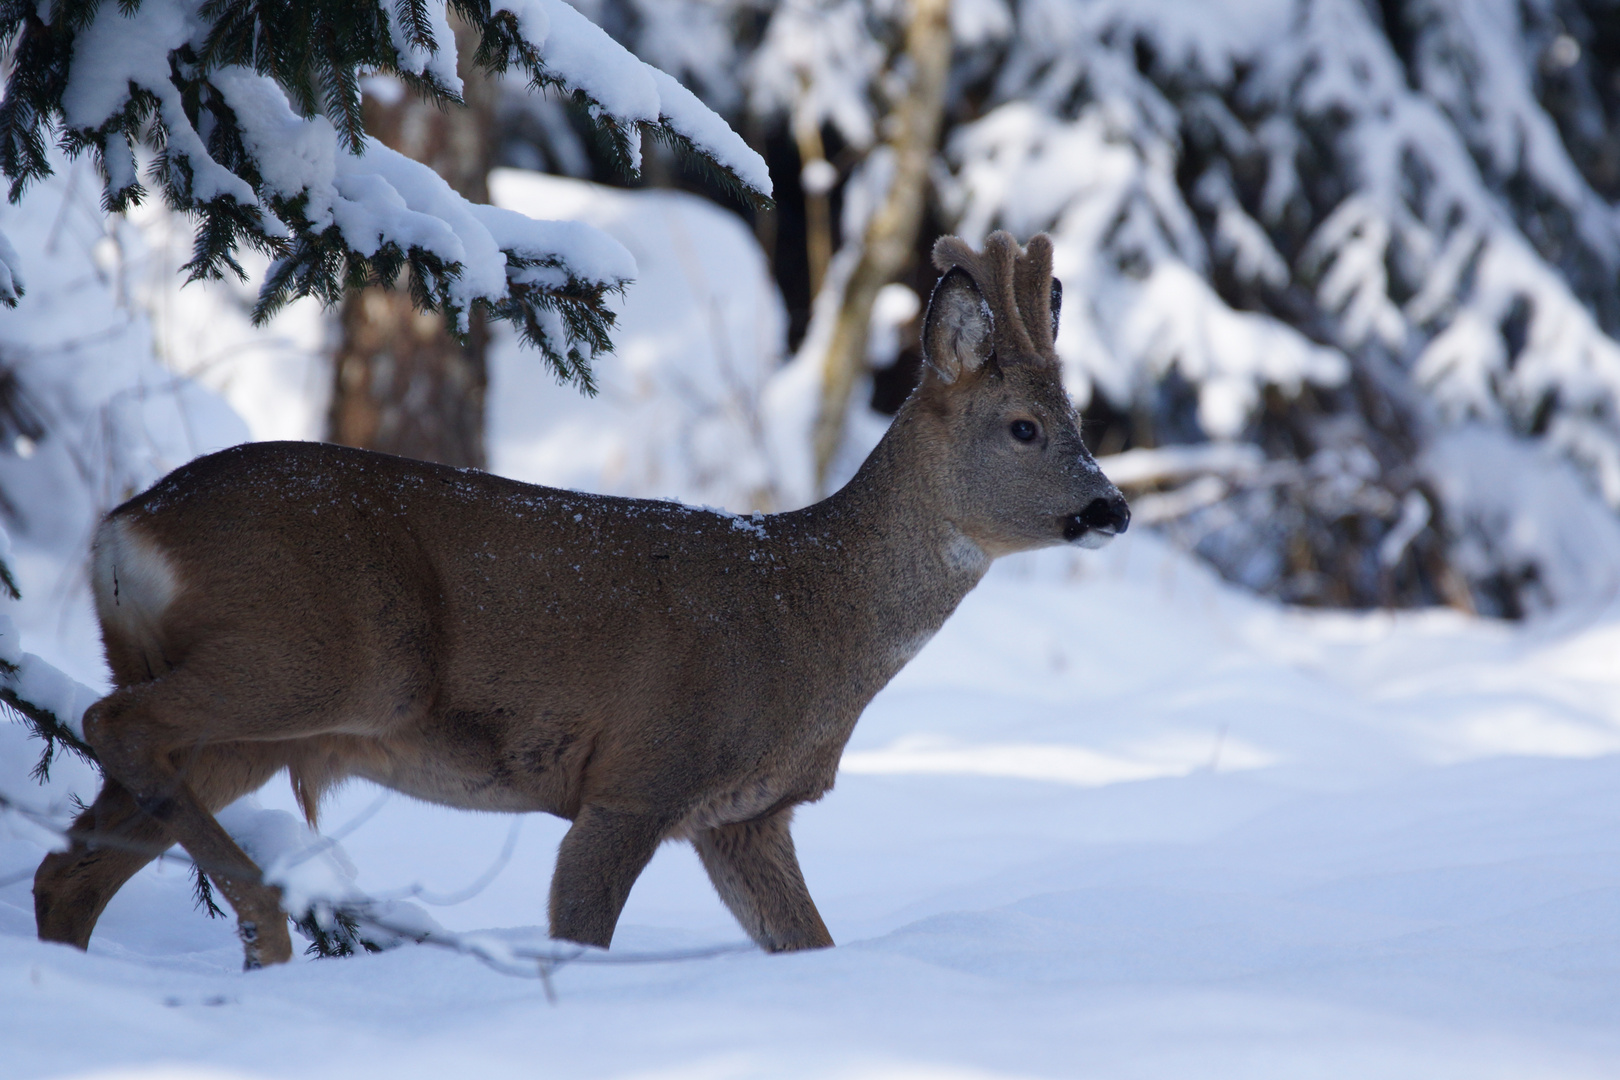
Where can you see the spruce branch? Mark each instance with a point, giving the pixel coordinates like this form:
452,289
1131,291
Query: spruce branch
334,933
42,724
240,152
691,156
202,892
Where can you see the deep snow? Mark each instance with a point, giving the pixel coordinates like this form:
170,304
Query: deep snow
1370,846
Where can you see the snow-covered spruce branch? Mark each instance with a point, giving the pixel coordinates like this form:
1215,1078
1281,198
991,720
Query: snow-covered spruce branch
252,113
1251,195
49,702
18,696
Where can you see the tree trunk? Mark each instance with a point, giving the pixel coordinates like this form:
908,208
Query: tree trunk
892,232
402,384
814,168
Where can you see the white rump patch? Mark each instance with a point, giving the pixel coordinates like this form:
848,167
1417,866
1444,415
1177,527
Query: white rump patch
134,583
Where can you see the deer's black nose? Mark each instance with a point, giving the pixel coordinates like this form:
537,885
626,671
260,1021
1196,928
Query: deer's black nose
1107,514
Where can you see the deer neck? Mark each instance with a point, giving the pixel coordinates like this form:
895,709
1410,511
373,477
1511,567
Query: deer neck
909,563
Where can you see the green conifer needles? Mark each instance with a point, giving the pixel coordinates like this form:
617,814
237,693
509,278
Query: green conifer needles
250,113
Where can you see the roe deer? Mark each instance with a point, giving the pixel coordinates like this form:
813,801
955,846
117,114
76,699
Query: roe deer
647,670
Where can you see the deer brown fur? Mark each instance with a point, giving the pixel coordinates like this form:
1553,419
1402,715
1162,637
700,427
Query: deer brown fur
646,670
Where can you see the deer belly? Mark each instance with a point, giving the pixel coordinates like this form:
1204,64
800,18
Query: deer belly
435,782
750,799
727,807
466,781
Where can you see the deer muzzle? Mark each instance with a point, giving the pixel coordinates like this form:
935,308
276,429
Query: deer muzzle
1104,518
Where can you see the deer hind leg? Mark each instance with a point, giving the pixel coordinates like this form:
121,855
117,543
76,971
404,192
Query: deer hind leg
147,756
113,839
597,863
756,872
110,841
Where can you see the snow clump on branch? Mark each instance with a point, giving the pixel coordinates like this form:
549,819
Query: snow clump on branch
253,113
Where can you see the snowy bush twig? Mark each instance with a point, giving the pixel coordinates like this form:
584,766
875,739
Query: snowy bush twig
355,920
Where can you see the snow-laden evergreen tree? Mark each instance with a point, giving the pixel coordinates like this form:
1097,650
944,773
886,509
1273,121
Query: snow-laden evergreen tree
1350,271
1297,226
250,112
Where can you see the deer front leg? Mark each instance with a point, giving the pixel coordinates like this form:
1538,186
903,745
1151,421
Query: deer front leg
597,863
756,872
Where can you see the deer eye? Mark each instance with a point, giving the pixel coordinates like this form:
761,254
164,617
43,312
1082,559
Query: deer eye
1024,430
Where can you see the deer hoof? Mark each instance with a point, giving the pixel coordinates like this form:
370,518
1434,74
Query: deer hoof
261,947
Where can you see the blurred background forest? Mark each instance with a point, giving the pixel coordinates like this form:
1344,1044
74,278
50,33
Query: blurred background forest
1342,281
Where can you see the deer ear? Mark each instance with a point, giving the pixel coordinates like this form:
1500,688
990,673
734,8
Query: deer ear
1057,305
958,331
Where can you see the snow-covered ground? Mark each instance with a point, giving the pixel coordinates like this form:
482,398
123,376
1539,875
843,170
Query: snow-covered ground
1117,820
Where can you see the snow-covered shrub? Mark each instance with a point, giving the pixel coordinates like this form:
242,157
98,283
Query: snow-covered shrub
1522,528
1262,198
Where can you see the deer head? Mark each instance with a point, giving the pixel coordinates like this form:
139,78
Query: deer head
1018,474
